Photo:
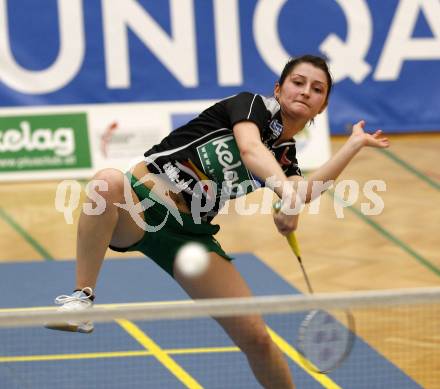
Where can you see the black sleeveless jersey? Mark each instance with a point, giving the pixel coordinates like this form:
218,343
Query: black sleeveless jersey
202,159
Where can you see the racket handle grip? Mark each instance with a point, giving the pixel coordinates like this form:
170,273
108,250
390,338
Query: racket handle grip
293,243
291,238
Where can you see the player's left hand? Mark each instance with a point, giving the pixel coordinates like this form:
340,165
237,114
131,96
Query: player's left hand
363,138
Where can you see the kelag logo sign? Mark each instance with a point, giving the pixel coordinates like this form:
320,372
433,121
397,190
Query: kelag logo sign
44,142
384,55
221,158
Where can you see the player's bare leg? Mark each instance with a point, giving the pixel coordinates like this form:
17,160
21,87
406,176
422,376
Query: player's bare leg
222,280
113,226
110,224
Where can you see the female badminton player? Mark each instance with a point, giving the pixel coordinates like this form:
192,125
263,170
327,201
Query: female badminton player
230,149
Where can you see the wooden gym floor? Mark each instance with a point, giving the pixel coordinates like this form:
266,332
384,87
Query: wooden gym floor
395,249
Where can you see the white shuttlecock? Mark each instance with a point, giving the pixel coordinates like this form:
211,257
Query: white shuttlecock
192,259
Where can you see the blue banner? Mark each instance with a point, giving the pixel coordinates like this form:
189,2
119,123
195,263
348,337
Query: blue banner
384,55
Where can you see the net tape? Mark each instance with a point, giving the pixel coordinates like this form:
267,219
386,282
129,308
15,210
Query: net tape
187,309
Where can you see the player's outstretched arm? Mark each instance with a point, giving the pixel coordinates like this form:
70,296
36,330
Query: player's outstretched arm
331,170
376,139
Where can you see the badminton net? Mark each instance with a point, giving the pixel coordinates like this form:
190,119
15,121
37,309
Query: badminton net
178,344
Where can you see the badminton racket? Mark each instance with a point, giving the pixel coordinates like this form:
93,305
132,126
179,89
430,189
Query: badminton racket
324,341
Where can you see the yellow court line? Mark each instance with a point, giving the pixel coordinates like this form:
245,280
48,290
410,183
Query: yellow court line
296,357
63,357
202,350
115,354
163,355
160,354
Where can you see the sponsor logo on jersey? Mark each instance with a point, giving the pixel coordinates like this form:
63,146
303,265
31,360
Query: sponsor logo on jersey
205,184
220,158
276,128
173,173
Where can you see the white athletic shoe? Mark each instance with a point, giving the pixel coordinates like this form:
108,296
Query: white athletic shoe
77,301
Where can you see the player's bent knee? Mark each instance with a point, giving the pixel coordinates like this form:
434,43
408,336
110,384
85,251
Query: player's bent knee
256,342
109,184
